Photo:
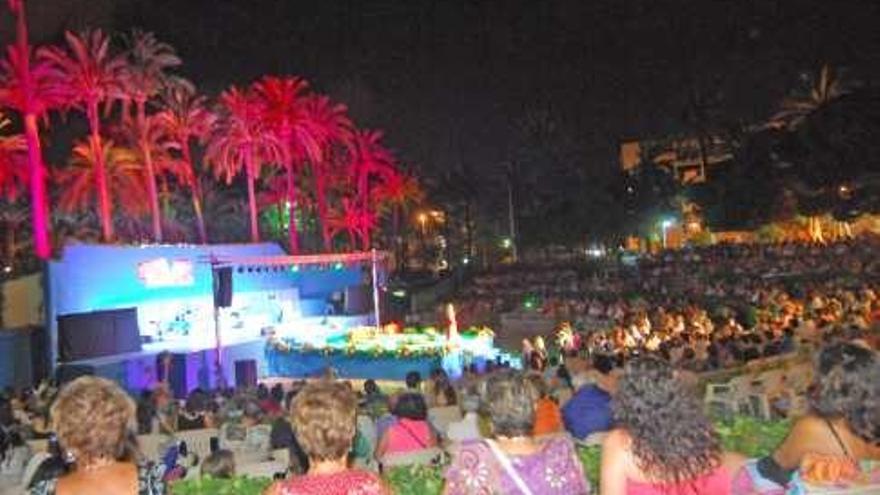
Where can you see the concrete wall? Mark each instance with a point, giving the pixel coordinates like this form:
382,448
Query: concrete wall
22,302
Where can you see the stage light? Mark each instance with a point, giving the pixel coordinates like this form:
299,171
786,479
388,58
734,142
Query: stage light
294,268
338,266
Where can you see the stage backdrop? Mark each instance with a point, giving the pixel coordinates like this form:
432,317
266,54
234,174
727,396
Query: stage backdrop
171,289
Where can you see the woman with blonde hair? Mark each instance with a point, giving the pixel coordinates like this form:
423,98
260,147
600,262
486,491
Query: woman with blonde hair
323,417
94,421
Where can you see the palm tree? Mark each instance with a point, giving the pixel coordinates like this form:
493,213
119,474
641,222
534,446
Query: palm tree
185,117
87,75
124,178
822,90
144,76
25,87
332,119
281,102
369,159
242,139
13,162
398,192
355,221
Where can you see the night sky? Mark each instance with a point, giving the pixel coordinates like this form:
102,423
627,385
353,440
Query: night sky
452,81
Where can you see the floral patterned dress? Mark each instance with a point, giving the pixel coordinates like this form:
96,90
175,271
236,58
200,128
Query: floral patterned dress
149,482
554,469
351,482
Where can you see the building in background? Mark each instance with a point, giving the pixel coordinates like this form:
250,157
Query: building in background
686,157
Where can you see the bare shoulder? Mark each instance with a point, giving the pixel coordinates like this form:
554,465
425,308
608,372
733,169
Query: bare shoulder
274,489
733,461
809,424
617,438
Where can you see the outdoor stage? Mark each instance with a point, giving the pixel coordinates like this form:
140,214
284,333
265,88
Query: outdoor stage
227,314
388,353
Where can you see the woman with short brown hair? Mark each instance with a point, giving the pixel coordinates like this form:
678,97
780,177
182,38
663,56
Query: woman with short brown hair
94,420
323,417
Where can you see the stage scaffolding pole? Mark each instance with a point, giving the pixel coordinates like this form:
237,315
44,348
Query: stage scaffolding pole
375,259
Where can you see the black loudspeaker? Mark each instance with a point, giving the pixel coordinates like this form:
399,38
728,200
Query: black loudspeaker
246,373
222,287
358,300
99,333
176,369
69,372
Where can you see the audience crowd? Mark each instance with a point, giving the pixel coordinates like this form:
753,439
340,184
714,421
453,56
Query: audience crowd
625,384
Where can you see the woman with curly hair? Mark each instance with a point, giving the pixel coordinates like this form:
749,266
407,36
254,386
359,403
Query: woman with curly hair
663,443
842,430
94,420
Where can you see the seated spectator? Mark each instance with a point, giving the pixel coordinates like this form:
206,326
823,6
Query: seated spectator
411,431
514,462
443,394
270,402
663,443
166,410
247,437
197,413
589,409
373,395
828,445
220,464
146,412
94,421
468,428
548,417
413,382
14,456
323,418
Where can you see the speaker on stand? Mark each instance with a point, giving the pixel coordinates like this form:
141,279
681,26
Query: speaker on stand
222,285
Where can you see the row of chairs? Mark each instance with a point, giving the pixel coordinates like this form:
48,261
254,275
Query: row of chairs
765,395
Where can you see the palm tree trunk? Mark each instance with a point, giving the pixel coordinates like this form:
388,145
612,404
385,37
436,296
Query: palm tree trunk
252,197
291,208
321,193
102,191
195,193
151,172
398,241
36,167
39,205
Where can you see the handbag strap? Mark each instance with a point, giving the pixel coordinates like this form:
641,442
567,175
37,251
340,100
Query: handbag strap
415,437
508,468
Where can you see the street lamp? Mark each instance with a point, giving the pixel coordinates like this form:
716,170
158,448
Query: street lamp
665,224
423,221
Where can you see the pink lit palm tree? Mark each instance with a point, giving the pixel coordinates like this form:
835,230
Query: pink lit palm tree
13,162
397,193
243,140
337,131
185,118
25,87
144,76
369,160
356,222
87,75
123,173
282,102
